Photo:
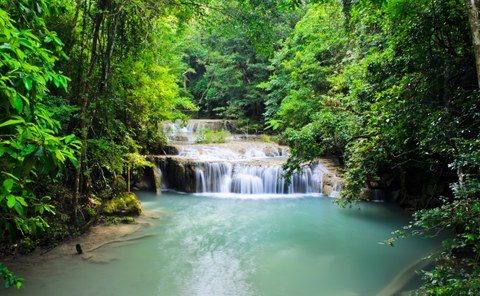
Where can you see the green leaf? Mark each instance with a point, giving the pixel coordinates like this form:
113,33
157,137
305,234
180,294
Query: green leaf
26,43
57,40
74,162
11,201
63,81
56,81
8,184
11,176
20,54
22,201
16,102
18,207
12,122
28,149
40,152
69,138
28,82
39,8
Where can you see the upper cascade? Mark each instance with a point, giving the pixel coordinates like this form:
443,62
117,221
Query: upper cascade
242,166
180,132
246,150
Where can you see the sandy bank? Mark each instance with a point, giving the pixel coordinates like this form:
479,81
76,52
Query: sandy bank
93,243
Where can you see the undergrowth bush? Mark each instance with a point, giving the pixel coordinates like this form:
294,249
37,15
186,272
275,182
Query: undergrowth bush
207,136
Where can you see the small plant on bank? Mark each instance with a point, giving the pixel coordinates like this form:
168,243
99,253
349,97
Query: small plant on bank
114,220
123,204
207,136
266,139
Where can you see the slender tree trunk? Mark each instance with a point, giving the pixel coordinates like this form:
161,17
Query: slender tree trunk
128,178
473,9
112,35
79,86
74,27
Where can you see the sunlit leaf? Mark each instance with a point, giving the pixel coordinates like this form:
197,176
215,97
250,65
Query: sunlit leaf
12,122
8,184
11,200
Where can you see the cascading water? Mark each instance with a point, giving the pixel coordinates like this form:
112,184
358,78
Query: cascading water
256,179
238,167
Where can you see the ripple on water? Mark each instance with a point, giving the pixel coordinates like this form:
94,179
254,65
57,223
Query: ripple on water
218,273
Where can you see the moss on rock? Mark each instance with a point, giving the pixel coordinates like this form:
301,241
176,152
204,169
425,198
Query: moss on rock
124,204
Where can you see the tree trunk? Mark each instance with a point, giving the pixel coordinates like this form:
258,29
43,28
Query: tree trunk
112,35
473,9
74,27
128,178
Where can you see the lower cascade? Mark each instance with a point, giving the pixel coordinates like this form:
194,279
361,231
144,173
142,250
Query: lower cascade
250,179
241,166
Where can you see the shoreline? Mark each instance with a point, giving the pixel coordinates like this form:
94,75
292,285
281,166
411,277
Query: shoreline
407,278
92,242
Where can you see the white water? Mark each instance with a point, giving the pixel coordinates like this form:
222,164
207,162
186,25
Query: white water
243,167
225,177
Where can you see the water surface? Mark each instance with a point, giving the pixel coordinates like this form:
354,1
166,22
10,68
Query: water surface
216,246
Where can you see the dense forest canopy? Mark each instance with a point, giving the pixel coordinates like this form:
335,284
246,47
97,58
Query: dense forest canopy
388,88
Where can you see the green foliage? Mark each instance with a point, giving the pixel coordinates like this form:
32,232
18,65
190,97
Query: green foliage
152,86
10,278
114,220
208,136
107,155
123,204
32,147
27,245
389,88
126,68
267,139
229,57
457,270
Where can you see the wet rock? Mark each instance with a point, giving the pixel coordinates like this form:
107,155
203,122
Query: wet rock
327,190
374,194
171,150
177,173
147,180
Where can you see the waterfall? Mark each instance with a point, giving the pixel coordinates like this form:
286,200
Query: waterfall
246,166
241,178
213,177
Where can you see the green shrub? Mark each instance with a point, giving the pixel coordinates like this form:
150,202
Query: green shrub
207,136
123,204
266,138
113,220
27,245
